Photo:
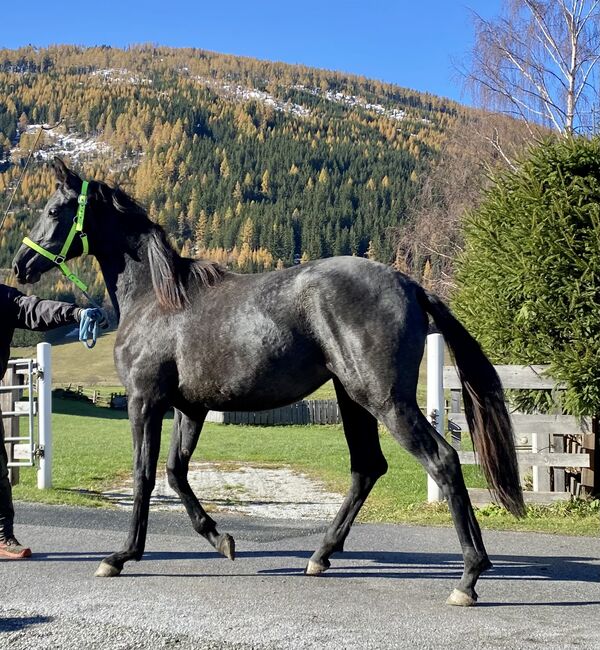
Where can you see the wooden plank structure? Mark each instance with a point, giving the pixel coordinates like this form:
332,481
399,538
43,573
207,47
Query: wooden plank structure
26,393
18,439
561,450
316,411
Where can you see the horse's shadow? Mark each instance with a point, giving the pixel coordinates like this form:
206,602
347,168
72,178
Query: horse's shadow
17,623
386,565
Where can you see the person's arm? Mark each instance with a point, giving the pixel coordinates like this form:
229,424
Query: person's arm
34,313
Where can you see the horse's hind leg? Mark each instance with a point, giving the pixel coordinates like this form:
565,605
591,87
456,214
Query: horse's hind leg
410,427
183,443
367,464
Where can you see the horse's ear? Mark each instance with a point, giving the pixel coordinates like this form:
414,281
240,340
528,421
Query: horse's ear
60,169
64,175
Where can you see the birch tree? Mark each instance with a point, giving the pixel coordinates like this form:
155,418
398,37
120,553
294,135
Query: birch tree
538,61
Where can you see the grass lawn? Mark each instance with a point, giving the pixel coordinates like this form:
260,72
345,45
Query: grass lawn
92,451
72,363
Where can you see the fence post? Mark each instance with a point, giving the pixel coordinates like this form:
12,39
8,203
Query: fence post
435,398
540,474
44,360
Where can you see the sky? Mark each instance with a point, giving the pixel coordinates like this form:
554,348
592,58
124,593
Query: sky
416,44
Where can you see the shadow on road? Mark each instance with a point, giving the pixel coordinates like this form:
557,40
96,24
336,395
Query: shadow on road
388,565
16,623
450,565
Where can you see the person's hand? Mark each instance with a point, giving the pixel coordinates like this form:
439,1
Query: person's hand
89,320
93,315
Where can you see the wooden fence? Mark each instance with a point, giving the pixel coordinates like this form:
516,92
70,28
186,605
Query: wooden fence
26,393
315,411
557,451
95,396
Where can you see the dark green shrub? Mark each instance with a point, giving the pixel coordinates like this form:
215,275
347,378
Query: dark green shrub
529,278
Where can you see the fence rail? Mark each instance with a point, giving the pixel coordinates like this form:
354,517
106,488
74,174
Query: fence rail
512,377
559,450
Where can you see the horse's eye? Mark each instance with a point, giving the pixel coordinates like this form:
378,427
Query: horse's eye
53,212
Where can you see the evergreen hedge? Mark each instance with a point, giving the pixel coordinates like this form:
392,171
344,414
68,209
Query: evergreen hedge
529,277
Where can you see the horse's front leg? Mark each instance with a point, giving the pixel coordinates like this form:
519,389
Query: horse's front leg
146,421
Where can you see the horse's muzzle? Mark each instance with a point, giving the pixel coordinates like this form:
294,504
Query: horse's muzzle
25,275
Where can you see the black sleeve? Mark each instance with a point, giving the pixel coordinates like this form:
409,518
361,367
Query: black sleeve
33,313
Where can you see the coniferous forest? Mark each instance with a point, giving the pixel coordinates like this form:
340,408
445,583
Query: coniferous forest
254,164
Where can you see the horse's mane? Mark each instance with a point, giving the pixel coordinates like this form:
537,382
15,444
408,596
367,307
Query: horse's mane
172,275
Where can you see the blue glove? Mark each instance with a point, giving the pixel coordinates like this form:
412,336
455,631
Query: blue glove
89,319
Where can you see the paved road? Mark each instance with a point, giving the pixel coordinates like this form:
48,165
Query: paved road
386,591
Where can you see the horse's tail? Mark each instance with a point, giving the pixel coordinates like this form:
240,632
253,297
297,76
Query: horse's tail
485,409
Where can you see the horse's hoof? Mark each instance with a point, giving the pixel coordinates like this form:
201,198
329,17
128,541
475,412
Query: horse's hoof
315,568
106,570
226,546
460,599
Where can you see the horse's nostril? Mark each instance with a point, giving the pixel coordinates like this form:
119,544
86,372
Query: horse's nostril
15,269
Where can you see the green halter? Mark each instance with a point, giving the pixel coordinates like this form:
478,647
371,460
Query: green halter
77,227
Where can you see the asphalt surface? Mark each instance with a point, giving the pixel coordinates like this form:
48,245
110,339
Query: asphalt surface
387,590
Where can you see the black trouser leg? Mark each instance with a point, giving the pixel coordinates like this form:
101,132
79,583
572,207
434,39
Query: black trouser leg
7,514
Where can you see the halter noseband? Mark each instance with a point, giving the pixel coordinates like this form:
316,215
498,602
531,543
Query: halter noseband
77,227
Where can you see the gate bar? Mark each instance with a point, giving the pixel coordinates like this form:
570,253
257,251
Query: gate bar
44,475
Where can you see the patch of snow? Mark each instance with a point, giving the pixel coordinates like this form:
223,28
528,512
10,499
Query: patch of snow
246,94
271,492
68,144
121,75
353,100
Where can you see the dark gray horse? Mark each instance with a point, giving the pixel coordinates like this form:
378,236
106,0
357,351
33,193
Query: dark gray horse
195,337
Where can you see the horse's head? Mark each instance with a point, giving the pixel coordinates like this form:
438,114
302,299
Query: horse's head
53,228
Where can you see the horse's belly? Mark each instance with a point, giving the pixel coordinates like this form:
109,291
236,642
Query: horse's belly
242,384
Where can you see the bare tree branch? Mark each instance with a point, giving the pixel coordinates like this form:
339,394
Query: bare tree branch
540,59
430,239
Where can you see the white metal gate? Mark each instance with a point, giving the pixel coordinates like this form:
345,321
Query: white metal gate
26,391
22,446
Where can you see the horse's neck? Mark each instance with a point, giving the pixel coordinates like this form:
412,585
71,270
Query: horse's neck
127,274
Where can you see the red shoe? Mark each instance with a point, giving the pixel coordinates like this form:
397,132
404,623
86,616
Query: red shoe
12,550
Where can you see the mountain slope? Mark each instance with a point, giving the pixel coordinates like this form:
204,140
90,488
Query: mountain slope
255,164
